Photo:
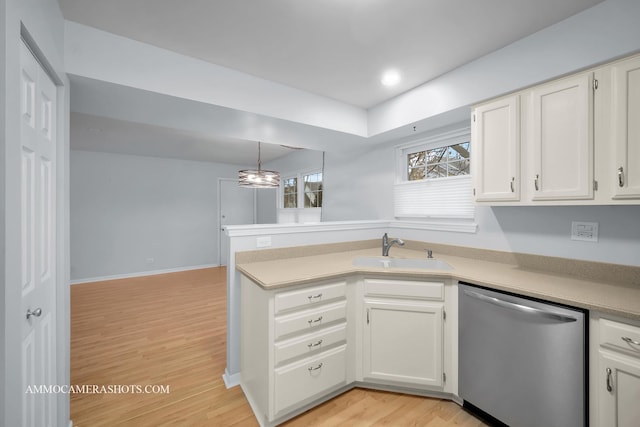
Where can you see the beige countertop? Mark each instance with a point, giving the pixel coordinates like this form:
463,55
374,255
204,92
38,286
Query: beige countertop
613,297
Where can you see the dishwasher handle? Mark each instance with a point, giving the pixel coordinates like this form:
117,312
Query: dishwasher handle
520,307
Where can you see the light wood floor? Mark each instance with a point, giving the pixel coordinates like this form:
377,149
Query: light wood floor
171,330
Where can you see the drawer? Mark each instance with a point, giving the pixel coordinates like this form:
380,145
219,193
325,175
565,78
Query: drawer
298,382
309,296
310,343
620,336
404,288
308,320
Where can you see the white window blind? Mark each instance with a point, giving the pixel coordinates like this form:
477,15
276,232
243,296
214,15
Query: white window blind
434,198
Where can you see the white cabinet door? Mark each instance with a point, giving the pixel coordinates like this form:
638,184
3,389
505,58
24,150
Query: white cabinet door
618,390
562,139
496,150
626,128
403,342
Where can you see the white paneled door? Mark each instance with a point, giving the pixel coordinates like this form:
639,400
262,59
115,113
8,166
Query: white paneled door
237,206
38,241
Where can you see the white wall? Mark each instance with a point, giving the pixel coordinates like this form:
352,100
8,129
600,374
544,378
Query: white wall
3,105
360,187
267,206
358,184
125,209
292,163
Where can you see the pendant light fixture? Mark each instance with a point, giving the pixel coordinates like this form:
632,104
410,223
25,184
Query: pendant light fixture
258,178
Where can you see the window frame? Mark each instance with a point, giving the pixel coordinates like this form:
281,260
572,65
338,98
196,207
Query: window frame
450,221
453,137
283,192
299,175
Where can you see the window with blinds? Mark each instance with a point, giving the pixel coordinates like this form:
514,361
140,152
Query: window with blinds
433,177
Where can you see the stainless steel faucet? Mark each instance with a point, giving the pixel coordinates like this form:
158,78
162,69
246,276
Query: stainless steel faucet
386,244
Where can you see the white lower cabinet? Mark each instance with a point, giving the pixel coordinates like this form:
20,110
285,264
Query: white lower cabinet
619,390
403,341
302,346
296,382
618,377
294,347
403,332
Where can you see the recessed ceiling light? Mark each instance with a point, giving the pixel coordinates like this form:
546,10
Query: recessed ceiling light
390,78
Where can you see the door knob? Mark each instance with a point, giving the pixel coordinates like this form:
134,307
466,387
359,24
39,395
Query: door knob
35,313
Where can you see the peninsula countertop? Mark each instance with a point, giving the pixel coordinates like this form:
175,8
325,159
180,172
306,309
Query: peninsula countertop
617,296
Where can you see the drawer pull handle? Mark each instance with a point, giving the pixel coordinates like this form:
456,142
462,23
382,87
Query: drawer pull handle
319,319
609,385
316,344
630,341
311,368
620,176
312,297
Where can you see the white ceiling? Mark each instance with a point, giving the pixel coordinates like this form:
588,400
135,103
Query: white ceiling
334,48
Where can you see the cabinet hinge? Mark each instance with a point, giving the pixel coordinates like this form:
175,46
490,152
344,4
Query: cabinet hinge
444,377
444,315
595,84
595,185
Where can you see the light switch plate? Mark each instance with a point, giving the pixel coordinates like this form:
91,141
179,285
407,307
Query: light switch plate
585,231
263,242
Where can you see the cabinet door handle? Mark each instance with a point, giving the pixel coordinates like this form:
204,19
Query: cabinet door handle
367,316
312,297
620,176
513,189
535,182
319,319
311,368
609,383
630,341
316,344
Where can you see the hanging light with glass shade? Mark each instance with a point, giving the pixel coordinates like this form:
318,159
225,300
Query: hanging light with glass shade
259,178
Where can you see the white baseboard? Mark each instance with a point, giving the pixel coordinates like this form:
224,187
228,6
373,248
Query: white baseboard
231,380
142,273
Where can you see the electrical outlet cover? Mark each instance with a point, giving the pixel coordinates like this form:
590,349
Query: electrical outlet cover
584,231
263,241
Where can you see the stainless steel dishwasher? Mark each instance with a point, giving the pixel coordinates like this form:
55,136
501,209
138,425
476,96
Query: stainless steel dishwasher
522,361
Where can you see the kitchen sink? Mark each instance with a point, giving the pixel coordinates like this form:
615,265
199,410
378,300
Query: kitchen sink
386,262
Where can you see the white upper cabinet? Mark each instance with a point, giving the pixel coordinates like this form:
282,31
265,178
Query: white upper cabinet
571,141
496,151
626,129
561,134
